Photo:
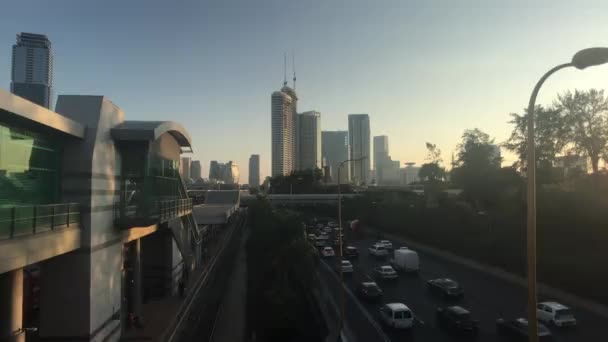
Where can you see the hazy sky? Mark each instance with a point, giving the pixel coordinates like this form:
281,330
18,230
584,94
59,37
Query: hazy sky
423,70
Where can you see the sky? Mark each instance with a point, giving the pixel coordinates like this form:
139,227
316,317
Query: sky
423,70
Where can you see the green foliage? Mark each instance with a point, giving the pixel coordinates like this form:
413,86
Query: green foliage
551,136
433,154
586,115
281,267
431,172
477,168
304,182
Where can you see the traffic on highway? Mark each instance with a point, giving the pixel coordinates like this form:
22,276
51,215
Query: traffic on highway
409,295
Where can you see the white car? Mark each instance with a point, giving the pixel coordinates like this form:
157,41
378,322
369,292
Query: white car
385,272
387,244
397,315
378,251
328,252
555,313
347,267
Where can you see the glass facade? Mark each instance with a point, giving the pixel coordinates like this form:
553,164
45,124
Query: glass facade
29,167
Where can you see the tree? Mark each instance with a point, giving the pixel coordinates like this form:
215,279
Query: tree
551,136
476,165
586,113
433,154
431,172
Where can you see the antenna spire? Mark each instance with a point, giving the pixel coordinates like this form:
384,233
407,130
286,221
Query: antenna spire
284,69
293,62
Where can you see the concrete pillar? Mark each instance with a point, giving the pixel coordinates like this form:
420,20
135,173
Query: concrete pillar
11,306
137,279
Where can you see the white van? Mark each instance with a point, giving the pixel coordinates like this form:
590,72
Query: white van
556,313
405,260
397,315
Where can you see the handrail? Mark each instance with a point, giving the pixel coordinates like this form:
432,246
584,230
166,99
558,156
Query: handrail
22,220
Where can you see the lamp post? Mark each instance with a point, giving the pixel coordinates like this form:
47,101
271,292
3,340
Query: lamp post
581,60
342,297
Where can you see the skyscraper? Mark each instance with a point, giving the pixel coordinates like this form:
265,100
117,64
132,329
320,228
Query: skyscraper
184,169
254,171
283,130
336,150
308,140
195,170
227,173
380,157
359,139
32,69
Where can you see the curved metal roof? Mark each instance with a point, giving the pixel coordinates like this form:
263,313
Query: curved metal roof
151,130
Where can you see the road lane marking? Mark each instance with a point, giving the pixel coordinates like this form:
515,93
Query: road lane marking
361,308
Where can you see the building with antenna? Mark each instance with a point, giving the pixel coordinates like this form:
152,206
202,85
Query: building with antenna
283,127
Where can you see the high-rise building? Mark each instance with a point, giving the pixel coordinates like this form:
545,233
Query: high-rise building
227,173
195,170
254,171
409,174
359,139
308,140
381,157
184,169
32,69
283,130
336,150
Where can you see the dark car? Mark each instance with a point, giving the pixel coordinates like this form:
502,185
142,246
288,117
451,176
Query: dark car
350,252
447,288
369,290
457,320
517,330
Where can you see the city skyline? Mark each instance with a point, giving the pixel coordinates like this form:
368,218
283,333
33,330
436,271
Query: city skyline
402,76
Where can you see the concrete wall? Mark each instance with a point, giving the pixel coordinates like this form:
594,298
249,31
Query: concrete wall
166,147
89,286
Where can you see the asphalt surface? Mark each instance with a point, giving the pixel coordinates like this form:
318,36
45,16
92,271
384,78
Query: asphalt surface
487,297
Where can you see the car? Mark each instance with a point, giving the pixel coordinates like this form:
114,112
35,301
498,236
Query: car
320,241
445,287
403,248
517,330
327,229
386,243
350,252
369,290
385,272
397,315
456,319
327,252
556,314
332,224
311,237
378,251
347,267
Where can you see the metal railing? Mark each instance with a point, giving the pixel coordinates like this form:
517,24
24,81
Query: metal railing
174,208
158,211
19,221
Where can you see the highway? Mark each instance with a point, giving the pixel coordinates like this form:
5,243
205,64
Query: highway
486,296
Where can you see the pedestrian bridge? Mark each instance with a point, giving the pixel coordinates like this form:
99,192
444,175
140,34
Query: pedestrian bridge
298,199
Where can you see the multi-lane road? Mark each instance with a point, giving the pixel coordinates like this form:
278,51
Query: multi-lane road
486,296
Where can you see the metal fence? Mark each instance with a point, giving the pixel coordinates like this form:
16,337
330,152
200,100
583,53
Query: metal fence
28,220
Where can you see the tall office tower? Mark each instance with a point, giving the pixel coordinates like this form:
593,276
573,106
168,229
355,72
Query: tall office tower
254,171
381,157
195,170
308,140
32,70
227,173
336,150
283,130
359,139
185,169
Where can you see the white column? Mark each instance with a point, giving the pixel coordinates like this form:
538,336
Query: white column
11,306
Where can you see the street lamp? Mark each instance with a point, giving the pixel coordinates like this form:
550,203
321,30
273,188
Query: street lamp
581,60
342,299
